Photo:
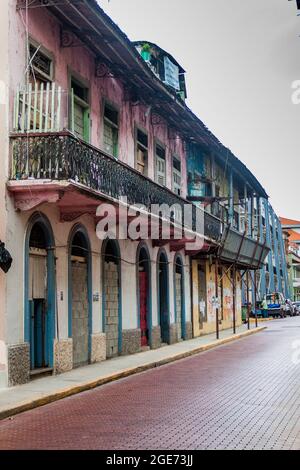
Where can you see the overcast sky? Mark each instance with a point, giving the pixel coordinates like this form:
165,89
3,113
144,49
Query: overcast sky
241,59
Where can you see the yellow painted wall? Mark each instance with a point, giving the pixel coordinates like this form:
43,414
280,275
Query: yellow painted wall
210,325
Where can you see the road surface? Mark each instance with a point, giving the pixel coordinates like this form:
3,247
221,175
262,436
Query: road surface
244,395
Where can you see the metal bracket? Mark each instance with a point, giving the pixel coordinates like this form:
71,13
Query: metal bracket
102,70
69,39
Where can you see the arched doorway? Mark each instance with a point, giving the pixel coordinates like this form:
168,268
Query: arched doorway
40,292
179,297
163,296
80,296
112,298
144,294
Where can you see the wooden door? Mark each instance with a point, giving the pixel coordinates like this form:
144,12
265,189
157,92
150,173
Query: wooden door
144,308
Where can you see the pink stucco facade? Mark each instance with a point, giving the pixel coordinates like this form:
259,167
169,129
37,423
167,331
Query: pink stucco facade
78,62
17,210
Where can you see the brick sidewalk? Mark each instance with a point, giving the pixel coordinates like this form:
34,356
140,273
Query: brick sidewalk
243,395
48,389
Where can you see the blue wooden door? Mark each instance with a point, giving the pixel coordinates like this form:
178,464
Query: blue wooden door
39,334
32,355
38,353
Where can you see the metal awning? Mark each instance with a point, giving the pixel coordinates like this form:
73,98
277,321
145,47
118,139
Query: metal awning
243,251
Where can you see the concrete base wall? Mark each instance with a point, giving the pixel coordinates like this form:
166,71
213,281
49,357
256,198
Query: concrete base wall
156,337
63,355
98,348
188,330
131,341
173,335
18,359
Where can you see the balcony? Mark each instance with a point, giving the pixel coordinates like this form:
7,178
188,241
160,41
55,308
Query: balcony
245,252
48,160
57,157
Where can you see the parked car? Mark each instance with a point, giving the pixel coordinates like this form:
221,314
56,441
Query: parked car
276,305
297,307
289,308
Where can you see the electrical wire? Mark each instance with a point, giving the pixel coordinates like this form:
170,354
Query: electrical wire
119,258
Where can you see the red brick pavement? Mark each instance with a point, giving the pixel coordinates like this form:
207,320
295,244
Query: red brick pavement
245,395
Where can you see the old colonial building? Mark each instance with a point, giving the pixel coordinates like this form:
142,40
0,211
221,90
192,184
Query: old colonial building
291,230
90,122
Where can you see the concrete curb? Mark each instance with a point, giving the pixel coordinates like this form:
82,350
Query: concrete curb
85,386
261,320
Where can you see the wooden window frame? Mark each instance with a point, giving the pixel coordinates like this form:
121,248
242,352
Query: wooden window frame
73,76
178,173
49,55
137,143
160,144
114,107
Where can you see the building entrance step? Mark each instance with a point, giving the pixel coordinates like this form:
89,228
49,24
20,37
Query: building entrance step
38,373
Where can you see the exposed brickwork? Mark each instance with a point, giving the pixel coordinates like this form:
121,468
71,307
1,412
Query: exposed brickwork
18,357
156,337
173,333
63,355
111,286
131,341
80,314
188,330
98,348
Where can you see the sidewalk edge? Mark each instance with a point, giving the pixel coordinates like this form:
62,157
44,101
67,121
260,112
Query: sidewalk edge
76,389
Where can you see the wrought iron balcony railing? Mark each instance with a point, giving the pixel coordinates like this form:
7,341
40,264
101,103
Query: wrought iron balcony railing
61,156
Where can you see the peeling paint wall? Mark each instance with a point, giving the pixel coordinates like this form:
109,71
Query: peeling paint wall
209,326
44,29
